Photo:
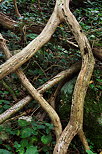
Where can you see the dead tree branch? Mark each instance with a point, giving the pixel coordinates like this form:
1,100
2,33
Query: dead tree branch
35,94
49,84
7,22
76,117
20,58
75,125
16,8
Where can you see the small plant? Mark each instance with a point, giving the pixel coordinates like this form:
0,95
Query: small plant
90,152
29,137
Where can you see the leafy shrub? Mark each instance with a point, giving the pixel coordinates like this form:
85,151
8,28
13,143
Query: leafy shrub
28,137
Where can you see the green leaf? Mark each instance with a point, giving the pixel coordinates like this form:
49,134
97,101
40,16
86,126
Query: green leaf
92,86
1,128
8,147
24,143
40,126
1,101
26,132
4,101
31,36
46,139
33,1
17,132
0,141
49,125
99,80
3,151
17,145
35,132
89,152
5,92
6,106
33,139
68,87
22,123
32,150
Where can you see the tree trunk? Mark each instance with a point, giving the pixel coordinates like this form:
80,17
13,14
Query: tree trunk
76,117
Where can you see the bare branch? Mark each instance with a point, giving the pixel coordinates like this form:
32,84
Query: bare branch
76,118
7,21
35,94
16,8
20,58
18,106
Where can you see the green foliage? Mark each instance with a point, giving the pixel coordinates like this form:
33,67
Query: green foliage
4,104
29,136
90,152
68,87
55,56
96,85
91,21
22,123
31,149
31,36
26,132
46,139
3,151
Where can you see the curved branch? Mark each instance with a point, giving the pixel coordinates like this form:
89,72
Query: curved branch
76,116
7,21
16,8
98,53
20,58
35,94
18,106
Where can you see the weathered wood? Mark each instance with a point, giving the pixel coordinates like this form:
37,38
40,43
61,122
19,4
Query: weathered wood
61,12
35,94
97,53
20,58
76,117
6,21
16,8
69,73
